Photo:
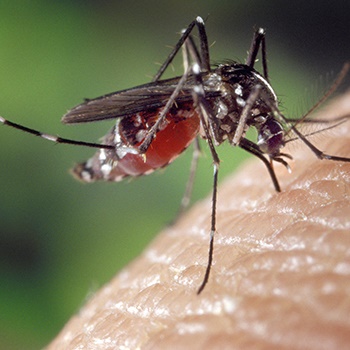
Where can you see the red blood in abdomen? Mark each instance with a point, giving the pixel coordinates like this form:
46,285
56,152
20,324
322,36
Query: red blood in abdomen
168,144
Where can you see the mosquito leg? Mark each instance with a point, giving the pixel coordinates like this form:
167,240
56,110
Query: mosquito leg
175,50
216,163
150,135
186,55
204,52
53,138
319,154
212,230
189,186
334,123
252,98
189,49
253,149
200,59
204,49
205,112
257,42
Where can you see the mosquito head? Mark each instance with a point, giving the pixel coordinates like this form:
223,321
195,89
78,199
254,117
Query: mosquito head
271,137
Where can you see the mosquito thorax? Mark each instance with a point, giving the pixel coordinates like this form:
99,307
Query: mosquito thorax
235,82
243,79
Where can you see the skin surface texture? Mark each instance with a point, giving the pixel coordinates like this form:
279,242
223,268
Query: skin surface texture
281,268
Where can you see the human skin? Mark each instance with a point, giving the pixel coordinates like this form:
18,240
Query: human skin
280,275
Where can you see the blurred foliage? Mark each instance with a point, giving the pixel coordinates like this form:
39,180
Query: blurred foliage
60,240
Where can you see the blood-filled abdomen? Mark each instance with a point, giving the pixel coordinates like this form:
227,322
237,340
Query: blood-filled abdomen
178,130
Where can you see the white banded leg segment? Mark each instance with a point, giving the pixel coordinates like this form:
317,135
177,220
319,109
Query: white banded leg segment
52,138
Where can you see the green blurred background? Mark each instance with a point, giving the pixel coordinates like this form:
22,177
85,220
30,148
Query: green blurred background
60,240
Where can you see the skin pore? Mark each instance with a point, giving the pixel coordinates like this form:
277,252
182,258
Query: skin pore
281,268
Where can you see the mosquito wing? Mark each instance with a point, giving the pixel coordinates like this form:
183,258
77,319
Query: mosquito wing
128,102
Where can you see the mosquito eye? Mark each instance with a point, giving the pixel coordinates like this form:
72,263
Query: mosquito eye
270,137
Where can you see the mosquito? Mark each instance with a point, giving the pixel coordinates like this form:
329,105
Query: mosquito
156,122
